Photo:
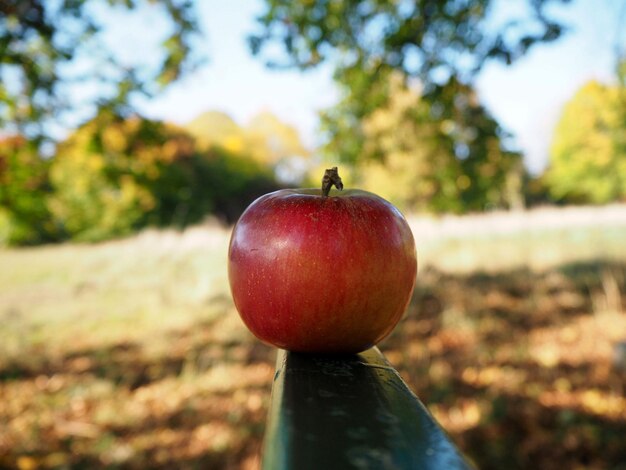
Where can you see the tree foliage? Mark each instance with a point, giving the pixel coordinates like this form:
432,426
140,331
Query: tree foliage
266,138
442,43
272,140
107,176
217,129
440,150
421,37
115,175
24,187
452,164
40,39
588,153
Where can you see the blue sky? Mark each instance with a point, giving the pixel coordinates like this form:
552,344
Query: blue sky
526,97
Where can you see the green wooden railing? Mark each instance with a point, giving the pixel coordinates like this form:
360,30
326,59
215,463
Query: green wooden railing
350,412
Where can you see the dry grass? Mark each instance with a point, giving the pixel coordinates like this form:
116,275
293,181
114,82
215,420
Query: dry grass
538,239
129,354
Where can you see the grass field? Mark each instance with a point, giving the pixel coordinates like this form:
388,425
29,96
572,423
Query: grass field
129,354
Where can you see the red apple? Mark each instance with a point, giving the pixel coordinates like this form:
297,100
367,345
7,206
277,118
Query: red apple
325,274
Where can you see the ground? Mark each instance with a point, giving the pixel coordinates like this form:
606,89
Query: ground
130,354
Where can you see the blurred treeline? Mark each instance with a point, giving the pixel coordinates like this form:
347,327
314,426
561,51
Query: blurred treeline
115,175
409,124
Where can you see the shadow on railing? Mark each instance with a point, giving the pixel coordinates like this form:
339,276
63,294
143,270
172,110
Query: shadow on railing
343,412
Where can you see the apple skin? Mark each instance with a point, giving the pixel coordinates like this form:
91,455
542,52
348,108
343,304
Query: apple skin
321,274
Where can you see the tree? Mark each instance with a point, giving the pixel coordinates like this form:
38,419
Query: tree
272,140
41,39
24,187
425,38
267,140
217,129
451,165
440,44
588,152
115,175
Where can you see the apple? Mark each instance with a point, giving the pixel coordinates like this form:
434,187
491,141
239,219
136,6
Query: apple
321,272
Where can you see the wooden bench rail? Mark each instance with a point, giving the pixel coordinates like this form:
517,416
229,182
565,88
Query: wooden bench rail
345,412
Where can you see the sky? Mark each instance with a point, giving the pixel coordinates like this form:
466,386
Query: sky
235,82
526,97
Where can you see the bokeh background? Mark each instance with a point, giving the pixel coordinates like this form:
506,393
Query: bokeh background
133,133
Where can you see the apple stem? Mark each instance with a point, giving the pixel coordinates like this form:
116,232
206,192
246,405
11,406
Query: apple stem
331,177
